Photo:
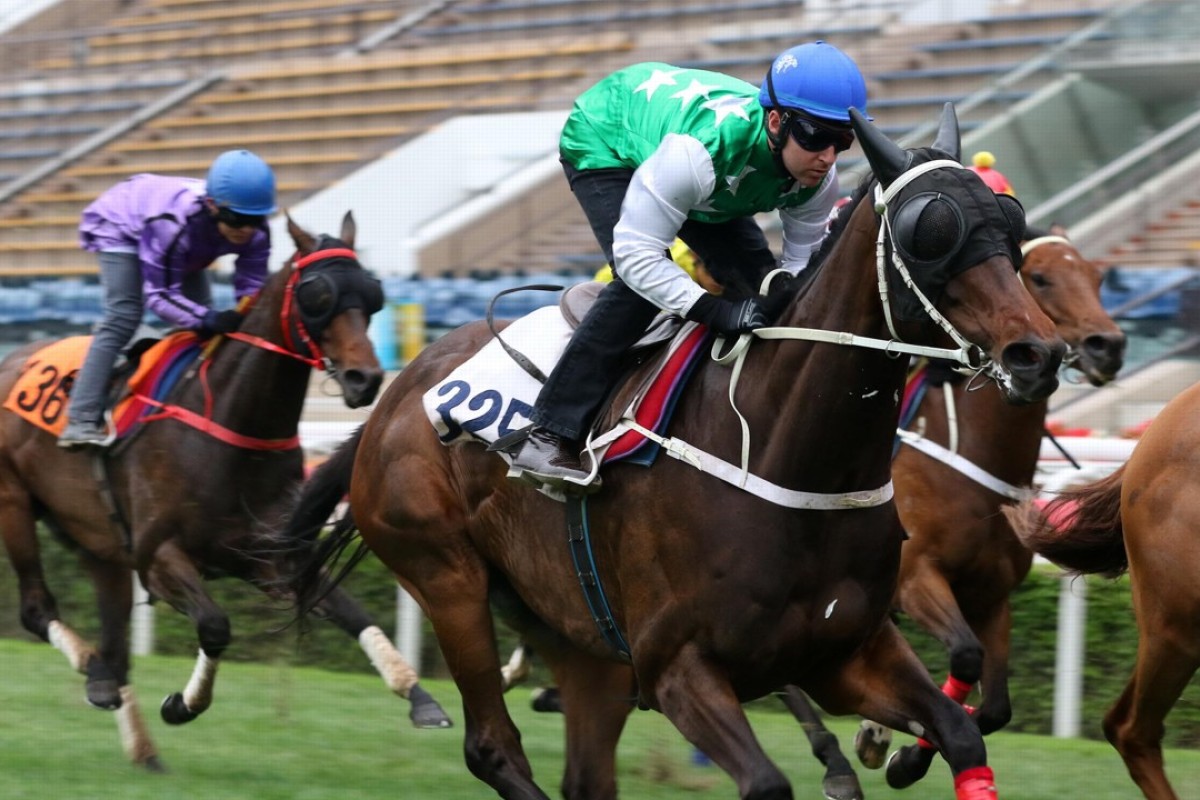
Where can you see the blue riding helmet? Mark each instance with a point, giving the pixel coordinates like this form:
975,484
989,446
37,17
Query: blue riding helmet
242,182
816,78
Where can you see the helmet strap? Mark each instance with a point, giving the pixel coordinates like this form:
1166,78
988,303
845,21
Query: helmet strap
778,140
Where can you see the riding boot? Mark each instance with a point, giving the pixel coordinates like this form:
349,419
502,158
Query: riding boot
588,369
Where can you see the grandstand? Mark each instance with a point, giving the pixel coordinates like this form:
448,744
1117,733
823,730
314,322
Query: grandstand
327,89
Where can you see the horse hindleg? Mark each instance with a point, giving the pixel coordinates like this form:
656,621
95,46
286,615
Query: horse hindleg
702,705
840,782
339,608
1134,725
173,577
885,681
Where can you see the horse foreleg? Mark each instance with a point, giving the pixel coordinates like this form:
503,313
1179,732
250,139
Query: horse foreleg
700,702
885,681
995,709
1134,725
455,598
173,577
840,782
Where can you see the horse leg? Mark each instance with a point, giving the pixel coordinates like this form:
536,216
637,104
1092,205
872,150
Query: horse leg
455,599
174,578
1134,725
885,681
597,697
400,676
995,708
699,701
929,600
840,782
108,673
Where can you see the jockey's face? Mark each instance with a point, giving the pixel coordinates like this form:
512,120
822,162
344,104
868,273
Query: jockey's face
808,167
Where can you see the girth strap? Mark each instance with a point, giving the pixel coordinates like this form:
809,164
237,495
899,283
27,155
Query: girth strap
580,544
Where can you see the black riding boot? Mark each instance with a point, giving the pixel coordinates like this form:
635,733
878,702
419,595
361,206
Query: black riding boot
589,367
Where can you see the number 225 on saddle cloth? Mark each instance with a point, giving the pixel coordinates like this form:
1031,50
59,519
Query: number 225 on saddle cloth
40,394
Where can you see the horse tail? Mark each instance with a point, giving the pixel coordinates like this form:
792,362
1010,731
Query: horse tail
326,487
1080,530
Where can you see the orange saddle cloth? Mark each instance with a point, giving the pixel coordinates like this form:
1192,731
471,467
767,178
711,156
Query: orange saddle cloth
41,392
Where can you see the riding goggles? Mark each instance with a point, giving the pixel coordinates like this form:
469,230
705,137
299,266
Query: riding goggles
815,137
235,220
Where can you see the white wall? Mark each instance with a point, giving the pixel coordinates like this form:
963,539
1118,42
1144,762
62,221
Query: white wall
14,12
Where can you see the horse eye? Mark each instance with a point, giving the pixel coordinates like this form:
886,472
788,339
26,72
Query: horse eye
315,297
1039,280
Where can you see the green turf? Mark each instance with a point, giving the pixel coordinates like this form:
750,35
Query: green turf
305,734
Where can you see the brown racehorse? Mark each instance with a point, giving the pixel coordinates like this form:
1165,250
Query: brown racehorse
722,595
962,560
188,505
1142,519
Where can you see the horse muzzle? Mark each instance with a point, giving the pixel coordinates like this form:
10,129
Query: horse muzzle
1032,368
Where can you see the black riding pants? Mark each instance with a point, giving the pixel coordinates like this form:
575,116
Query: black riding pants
735,252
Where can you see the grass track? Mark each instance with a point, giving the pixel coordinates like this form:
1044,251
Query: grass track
283,733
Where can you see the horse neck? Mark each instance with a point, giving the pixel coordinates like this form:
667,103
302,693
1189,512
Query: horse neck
814,401
255,391
1003,439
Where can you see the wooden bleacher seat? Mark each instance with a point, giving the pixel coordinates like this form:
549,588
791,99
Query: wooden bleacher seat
255,139
379,109
200,166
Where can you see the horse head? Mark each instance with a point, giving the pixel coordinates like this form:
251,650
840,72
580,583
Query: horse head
318,308
950,249
1067,287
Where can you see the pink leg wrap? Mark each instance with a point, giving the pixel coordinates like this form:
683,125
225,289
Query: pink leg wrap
977,783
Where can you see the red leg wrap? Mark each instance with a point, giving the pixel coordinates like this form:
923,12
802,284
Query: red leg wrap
977,783
955,689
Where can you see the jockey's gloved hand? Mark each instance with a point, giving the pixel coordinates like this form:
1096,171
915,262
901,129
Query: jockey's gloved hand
729,317
226,321
783,289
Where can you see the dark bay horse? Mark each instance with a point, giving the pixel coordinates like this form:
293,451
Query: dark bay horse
962,559
966,454
1141,519
721,594
193,496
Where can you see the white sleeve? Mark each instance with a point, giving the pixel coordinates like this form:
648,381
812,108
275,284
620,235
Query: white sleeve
676,178
804,227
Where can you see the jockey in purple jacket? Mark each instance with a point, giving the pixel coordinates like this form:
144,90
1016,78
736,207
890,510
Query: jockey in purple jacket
155,236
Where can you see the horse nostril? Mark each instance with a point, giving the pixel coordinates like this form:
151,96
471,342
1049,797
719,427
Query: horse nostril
1032,358
1105,345
361,385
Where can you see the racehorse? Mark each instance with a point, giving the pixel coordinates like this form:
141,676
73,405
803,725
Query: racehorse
718,594
1141,519
962,560
964,456
192,493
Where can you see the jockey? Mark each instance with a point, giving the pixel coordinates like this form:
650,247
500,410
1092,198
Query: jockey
154,236
653,151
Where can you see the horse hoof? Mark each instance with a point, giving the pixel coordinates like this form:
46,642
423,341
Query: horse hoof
174,711
426,713
871,743
102,690
153,764
842,787
908,765
546,700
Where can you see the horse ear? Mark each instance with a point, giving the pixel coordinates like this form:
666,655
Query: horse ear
349,229
948,139
888,160
305,242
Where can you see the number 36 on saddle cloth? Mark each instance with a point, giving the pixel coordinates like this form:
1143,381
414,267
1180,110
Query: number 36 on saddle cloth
490,395
40,394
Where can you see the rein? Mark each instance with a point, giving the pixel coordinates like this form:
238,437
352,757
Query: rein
204,422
